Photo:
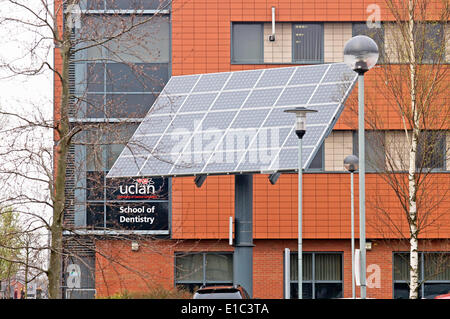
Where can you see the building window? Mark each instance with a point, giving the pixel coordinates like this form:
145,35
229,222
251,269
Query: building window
376,33
122,77
102,148
429,40
247,45
317,162
124,4
322,275
375,152
431,151
307,43
193,270
434,274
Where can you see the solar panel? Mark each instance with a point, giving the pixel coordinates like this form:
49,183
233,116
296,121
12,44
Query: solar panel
234,122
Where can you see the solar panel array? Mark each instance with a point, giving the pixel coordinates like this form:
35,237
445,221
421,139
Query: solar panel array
234,122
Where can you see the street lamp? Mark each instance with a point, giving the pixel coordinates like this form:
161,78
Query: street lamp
351,165
300,130
361,54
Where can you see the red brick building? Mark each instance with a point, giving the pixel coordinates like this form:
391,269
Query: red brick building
205,37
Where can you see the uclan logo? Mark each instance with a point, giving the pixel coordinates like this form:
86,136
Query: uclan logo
142,186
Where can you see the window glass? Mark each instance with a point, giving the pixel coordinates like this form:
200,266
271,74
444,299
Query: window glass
401,266
401,291
429,40
307,292
307,42
219,267
136,62
328,267
322,275
376,33
189,267
436,266
434,274
94,79
124,4
196,269
94,105
431,150
148,42
328,290
128,105
139,77
375,153
137,4
247,42
432,290
95,215
307,267
103,146
317,162
125,38
94,158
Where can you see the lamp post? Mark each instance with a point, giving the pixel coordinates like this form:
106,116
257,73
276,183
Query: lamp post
351,165
300,130
361,54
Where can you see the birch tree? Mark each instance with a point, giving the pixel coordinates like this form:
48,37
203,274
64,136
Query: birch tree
411,82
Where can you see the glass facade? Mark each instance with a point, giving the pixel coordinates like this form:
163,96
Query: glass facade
121,63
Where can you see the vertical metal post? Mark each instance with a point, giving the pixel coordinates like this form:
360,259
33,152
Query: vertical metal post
362,185
287,273
243,233
353,234
300,243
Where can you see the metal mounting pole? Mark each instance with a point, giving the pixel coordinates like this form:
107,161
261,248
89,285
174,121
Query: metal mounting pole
362,183
353,234
300,242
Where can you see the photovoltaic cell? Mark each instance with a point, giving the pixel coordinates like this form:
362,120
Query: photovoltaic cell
234,122
230,100
262,98
211,82
180,84
307,75
296,95
275,77
198,102
243,80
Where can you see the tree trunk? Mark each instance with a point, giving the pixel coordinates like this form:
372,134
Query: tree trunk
63,139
